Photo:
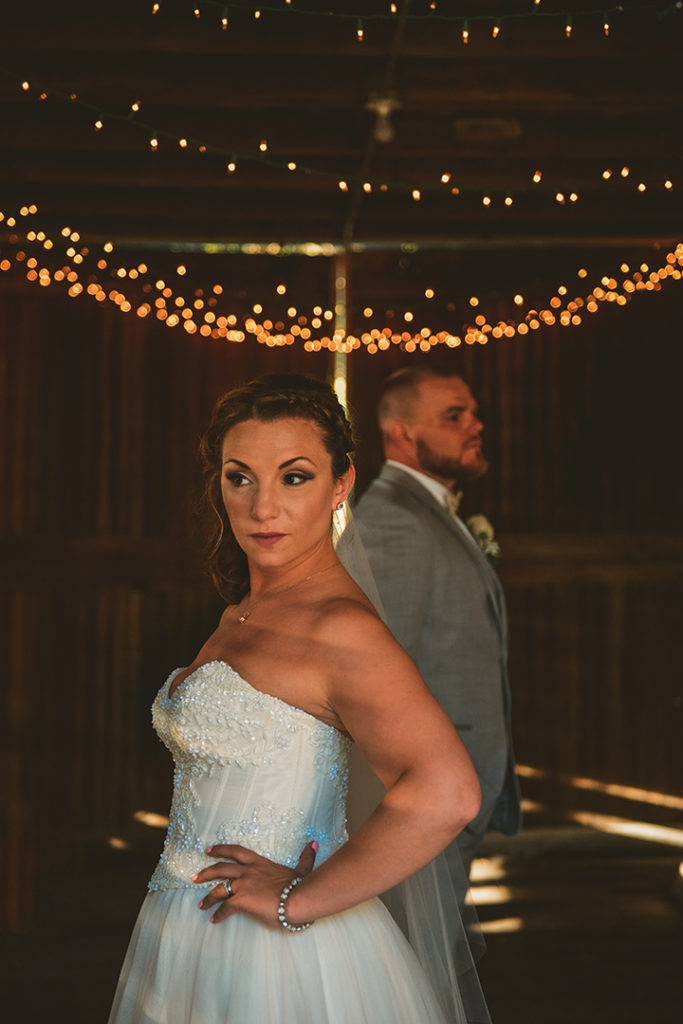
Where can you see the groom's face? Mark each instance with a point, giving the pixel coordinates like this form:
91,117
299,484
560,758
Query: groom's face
447,431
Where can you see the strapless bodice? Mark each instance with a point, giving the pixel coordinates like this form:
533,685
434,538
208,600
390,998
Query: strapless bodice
249,769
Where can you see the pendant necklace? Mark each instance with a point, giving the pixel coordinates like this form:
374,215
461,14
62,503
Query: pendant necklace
281,590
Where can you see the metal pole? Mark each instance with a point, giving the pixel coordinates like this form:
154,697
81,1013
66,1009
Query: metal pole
340,269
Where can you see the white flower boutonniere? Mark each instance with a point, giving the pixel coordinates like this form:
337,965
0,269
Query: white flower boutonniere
482,531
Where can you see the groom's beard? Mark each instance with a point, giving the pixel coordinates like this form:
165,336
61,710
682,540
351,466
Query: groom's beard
449,468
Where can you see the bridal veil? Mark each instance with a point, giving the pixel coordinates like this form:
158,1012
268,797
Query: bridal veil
444,934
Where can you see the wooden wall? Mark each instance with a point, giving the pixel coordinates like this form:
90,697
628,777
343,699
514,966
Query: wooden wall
101,594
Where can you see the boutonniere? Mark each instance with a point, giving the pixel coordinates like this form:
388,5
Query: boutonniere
482,531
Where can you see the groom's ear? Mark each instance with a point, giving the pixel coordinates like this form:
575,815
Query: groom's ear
401,434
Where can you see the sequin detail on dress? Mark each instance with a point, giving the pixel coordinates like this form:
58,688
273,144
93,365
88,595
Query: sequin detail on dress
249,769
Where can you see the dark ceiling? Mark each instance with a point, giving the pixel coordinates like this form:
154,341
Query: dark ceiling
489,114
468,127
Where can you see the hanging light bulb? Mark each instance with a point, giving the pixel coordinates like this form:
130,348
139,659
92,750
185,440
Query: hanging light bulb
383,105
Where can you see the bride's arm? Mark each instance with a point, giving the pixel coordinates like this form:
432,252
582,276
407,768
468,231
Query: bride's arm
375,692
432,788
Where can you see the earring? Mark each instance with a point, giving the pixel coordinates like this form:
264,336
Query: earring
340,506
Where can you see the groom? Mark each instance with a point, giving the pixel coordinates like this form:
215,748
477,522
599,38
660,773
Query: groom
442,599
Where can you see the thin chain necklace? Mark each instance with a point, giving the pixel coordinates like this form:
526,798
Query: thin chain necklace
281,590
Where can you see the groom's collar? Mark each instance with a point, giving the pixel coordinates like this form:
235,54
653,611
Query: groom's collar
435,488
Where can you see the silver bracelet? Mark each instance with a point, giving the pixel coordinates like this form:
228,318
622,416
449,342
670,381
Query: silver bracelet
281,916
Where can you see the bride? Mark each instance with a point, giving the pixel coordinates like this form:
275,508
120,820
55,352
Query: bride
262,910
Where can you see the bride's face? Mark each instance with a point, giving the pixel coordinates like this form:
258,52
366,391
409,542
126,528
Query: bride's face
278,489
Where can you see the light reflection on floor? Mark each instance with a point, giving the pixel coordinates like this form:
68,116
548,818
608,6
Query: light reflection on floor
634,829
642,796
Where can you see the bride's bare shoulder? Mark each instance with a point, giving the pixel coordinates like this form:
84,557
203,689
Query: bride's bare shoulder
348,625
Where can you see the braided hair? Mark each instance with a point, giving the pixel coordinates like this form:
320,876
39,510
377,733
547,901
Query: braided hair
275,396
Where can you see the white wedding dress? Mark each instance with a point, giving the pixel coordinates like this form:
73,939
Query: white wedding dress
253,770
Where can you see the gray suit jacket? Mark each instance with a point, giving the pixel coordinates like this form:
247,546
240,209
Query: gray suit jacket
445,605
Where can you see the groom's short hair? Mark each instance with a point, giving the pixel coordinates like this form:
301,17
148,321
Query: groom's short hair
399,392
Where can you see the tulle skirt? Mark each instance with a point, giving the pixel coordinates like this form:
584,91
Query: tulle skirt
352,968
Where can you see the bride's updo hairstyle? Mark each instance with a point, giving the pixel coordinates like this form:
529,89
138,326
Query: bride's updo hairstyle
276,396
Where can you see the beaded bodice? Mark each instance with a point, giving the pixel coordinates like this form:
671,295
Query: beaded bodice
249,769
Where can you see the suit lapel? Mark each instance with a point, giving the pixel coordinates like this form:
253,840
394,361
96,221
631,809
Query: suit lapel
396,477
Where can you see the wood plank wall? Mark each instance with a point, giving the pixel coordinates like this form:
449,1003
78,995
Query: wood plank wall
101,594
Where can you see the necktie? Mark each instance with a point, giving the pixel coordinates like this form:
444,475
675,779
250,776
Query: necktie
453,502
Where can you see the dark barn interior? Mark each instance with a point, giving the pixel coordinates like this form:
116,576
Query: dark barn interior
340,192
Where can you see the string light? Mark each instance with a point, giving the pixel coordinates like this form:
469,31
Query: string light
568,27
495,31
359,30
193,317
185,143
522,14
465,32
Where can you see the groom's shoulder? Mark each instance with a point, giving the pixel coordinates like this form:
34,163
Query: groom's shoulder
393,488
388,509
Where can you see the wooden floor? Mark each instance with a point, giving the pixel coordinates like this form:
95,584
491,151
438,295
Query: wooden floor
580,928
599,939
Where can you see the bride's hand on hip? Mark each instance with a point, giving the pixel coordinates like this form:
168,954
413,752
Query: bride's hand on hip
249,883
